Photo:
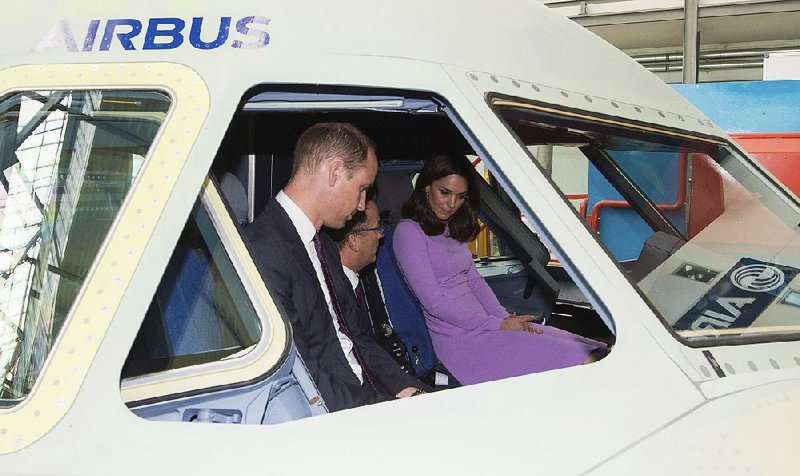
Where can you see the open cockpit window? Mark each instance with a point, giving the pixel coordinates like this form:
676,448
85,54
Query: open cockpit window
255,162
67,162
704,234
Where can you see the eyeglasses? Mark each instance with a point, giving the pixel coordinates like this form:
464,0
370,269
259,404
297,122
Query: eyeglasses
378,229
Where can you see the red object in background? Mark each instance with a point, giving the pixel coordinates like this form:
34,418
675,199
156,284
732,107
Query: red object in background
706,195
779,153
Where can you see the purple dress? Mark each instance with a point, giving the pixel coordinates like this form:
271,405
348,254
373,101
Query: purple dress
464,315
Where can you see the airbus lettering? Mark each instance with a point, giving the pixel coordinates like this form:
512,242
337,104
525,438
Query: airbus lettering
167,33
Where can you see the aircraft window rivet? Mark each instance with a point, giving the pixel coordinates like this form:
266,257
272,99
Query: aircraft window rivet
797,360
515,83
473,76
535,88
494,78
660,113
730,368
615,104
56,382
588,99
704,370
638,109
681,118
565,94
775,364
752,365
3,431
37,413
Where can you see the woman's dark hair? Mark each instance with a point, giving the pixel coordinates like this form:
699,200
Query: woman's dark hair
463,225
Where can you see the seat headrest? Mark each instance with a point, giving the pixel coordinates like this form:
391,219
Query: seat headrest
394,189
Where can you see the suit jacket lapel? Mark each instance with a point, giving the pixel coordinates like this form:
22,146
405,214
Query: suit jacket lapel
296,247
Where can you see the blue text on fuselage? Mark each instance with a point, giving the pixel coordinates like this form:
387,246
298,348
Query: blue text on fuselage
164,33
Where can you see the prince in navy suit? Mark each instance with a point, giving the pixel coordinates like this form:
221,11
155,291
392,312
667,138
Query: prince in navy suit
334,165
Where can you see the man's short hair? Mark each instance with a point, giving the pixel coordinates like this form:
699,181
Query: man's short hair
327,140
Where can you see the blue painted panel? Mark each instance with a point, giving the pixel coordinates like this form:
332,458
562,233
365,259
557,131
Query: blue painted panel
747,106
622,230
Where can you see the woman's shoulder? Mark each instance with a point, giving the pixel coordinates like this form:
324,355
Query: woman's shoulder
408,229
407,225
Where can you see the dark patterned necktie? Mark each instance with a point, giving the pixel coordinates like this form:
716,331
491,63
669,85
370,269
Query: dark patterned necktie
369,296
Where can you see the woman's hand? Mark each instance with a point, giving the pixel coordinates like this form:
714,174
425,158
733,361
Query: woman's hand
518,323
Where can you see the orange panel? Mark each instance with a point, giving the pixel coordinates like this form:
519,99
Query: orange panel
779,153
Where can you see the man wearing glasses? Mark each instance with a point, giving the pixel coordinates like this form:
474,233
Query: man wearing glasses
358,245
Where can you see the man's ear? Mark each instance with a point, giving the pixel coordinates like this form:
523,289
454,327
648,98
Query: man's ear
353,243
336,171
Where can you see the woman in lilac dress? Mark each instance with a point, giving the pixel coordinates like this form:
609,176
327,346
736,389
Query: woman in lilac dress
473,335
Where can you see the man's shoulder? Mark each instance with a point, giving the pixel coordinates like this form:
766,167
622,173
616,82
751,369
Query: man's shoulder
273,220
272,234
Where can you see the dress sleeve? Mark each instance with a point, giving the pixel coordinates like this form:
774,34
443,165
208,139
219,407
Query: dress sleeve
412,249
481,290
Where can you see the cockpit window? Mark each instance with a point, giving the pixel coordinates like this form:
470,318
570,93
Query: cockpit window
200,312
68,160
704,234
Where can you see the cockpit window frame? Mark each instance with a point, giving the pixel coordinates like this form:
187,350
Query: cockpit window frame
98,302
496,101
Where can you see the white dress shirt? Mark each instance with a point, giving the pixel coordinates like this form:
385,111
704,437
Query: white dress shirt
355,279
352,276
307,231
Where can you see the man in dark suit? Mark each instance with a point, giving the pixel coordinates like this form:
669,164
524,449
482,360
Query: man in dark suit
358,244
334,165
